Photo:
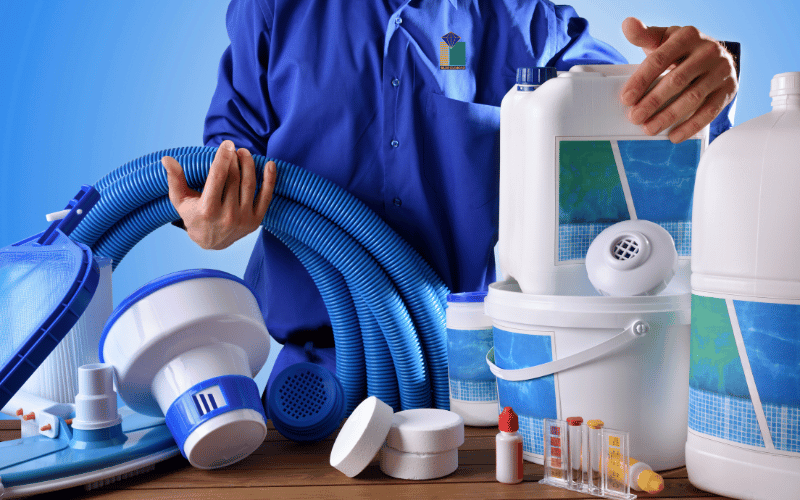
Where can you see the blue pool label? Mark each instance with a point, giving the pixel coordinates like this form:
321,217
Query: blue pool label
744,376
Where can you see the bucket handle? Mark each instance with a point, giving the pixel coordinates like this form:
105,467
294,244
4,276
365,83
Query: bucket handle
637,329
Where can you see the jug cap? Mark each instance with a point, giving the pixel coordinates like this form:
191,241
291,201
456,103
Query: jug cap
785,84
535,76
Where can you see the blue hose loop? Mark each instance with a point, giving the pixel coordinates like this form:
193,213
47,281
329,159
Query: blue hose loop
147,159
381,378
131,229
399,260
196,162
371,283
415,280
350,364
413,277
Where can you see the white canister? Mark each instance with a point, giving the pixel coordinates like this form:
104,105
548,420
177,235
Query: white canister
473,388
744,384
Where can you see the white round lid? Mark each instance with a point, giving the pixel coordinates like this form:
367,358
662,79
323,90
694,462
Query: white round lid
426,430
225,439
362,435
785,84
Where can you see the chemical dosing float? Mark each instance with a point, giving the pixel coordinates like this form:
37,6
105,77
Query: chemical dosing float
186,346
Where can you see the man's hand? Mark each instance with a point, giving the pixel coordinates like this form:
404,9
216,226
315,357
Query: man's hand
702,79
226,210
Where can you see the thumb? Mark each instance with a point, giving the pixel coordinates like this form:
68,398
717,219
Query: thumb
179,189
640,35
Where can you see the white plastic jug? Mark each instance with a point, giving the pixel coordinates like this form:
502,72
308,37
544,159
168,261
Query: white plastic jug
744,383
571,165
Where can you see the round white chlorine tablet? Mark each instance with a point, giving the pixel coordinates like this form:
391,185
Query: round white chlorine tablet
362,435
426,430
418,466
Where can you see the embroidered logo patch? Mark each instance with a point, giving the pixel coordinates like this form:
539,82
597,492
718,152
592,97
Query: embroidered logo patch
452,53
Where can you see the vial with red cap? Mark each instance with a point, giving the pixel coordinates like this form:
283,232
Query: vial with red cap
508,448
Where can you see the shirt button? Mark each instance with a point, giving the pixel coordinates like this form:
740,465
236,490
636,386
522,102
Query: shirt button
395,143
397,202
395,82
398,20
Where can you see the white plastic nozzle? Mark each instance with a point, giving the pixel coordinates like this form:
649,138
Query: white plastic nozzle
96,402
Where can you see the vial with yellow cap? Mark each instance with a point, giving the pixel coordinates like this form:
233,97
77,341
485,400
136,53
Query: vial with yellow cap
592,472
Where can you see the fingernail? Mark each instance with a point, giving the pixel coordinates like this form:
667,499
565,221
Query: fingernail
228,145
637,116
271,166
629,98
244,151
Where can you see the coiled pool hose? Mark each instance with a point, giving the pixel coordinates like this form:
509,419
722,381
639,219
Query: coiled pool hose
385,302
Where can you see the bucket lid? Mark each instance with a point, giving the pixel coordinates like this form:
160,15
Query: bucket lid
46,283
506,302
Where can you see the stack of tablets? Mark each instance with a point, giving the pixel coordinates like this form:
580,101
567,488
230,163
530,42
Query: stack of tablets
415,444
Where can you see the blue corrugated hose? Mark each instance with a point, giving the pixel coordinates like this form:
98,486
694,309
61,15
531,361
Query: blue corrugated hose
370,279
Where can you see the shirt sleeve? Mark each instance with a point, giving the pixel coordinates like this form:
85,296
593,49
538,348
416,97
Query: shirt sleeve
240,109
574,45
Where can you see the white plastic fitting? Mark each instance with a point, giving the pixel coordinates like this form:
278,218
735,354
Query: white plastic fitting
96,402
630,258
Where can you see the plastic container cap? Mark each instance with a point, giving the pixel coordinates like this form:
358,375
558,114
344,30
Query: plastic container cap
536,75
508,421
574,421
595,424
650,482
782,84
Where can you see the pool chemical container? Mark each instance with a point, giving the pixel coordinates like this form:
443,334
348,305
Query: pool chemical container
572,165
744,396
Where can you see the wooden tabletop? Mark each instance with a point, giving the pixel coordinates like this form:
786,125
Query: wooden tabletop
282,469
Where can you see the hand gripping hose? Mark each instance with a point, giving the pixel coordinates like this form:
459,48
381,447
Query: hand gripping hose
369,278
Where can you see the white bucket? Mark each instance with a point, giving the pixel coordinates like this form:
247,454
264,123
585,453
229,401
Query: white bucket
623,360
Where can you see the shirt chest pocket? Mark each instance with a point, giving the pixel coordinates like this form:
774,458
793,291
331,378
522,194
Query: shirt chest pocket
461,155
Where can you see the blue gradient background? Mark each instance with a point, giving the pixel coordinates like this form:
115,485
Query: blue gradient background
87,86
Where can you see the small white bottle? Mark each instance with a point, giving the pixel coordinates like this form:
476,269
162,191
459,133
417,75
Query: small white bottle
508,444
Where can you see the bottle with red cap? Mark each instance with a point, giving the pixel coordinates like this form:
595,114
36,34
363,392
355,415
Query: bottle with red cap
509,448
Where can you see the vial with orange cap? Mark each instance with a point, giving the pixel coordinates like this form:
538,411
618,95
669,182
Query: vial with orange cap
575,439
508,455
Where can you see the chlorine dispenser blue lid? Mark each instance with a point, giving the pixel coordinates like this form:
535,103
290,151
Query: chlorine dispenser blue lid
529,78
46,283
306,401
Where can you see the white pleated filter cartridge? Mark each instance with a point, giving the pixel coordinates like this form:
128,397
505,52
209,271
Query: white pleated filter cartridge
57,378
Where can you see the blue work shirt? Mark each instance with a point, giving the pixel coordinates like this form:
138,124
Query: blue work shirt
354,91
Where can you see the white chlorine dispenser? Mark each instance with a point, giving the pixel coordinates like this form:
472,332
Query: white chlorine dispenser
186,346
744,384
